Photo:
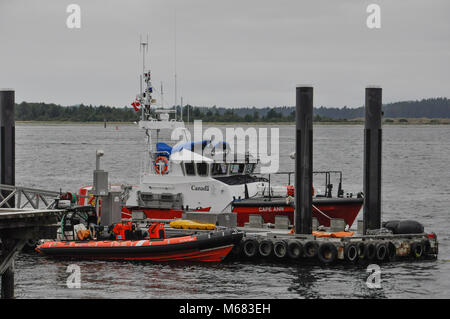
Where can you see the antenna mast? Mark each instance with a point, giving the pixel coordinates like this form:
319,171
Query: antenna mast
162,95
146,96
175,62
181,108
143,49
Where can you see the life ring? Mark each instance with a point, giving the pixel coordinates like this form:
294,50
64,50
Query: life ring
92,201
161,169
291,190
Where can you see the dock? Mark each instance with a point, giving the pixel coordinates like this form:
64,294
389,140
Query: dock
284,246
17,225
323,246
303,241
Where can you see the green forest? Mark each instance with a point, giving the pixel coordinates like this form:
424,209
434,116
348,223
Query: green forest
426,108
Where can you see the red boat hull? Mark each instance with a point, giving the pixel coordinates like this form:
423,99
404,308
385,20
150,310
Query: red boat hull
346,211
344,208
207,255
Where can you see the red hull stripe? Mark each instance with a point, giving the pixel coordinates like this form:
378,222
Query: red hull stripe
205,255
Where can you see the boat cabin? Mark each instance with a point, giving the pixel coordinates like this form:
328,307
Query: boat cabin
184,161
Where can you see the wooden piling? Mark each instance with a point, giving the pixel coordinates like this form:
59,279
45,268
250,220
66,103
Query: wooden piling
8,274
7,171
303,160
7,141
372,159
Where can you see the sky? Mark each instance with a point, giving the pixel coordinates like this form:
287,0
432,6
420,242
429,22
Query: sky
232,53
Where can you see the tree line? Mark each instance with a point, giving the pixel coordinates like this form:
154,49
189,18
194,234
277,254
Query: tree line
428,108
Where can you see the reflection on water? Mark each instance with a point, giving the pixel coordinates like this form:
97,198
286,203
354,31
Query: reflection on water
415,186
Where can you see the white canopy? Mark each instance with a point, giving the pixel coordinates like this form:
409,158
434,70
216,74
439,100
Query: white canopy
185,155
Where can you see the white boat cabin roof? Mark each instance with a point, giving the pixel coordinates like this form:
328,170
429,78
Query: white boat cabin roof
187,156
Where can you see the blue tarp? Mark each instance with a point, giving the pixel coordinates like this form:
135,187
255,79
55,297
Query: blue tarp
162,149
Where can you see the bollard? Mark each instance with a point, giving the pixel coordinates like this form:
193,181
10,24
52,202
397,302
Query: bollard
303,160
372,159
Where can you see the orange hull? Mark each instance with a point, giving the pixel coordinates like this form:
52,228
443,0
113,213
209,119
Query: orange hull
206,247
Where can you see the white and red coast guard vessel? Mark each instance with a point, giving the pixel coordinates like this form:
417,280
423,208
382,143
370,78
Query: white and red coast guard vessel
206,176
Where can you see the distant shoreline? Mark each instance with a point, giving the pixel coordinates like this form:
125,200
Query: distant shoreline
386,121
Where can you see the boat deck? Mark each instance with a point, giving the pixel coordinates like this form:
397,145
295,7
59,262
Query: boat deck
286,201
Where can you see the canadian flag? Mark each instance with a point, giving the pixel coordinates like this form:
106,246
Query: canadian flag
135,104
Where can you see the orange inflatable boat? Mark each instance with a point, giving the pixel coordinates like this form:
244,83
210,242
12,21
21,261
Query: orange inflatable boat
205,247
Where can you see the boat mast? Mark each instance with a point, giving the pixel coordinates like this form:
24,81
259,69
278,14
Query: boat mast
146,96
162,95
175,62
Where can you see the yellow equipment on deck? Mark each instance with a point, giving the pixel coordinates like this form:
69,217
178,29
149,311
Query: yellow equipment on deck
189,224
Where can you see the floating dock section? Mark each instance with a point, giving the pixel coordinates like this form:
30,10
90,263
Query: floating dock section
303,242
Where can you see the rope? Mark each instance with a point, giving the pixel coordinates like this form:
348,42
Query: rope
321,212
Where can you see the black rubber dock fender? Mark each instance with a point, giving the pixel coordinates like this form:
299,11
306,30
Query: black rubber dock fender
392,251
381,251
426,246
280,249
351,252
409,227
361,249
391,225
417,250
310,249
327,252
369,251
294,249
250,247
265,248
237,250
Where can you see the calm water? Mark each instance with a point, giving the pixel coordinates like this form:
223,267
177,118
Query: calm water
416,185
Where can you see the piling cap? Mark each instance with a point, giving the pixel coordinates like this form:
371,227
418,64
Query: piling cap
6,89
373,87
304,86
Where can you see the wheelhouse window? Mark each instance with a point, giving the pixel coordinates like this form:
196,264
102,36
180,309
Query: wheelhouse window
189,168
202,169
237,169
219,169
250,168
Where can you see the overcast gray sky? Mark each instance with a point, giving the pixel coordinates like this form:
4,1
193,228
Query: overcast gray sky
229,53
